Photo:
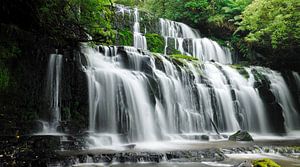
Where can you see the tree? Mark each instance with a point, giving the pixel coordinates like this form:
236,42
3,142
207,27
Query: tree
74,19
272,23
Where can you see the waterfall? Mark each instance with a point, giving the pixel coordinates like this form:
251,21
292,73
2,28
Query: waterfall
53,93
201,48
283,97
186,103
119,102
138,96
138,39
297,79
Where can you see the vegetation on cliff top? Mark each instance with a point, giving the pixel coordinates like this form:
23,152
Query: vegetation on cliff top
263,32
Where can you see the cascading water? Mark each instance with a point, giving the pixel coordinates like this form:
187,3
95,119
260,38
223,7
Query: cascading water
137,96
219,97
202,48
297,79
53,93
283,97
138,39
120,107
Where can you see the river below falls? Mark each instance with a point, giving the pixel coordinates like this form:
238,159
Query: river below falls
235,153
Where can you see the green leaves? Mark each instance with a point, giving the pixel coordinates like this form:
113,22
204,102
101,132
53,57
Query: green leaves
273,23
125,38
155,42
74,19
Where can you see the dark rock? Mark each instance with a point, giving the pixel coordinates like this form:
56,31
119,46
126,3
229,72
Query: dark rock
205,137
241,136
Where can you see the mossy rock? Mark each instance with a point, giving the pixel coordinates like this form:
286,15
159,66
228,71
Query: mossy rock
241,136
185,57
183,60
155,42
240,68
264,163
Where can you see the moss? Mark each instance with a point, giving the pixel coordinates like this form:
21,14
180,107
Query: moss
155,42
240,68
125,38
185,57
182,60
264,163
175,52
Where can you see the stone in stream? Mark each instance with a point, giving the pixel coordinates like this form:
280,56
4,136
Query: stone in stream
241,136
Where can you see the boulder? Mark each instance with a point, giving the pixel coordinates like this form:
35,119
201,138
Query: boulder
241,136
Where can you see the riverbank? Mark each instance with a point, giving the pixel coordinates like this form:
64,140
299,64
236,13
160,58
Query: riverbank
56,150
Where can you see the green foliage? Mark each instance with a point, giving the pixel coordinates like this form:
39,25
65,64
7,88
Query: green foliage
198,11
272,23
74,18
265,163
125,38
234,8
126,2
155,42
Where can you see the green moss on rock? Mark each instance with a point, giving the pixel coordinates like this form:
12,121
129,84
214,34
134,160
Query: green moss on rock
185,57
155,42
125,38
182,59
241,69
241,136
264,163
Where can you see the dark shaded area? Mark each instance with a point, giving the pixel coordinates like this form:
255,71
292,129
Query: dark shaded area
25,46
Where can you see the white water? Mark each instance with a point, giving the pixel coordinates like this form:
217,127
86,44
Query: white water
249,105
53,93
124,108
283,97
138,39
138,97
297,79
119,101
201,48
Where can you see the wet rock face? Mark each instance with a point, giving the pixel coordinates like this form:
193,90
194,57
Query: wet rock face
241,136
275,111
